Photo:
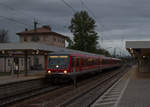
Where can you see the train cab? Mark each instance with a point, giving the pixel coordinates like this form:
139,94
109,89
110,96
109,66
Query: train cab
58,64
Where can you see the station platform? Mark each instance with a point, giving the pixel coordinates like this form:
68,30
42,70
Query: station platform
21,77
137,92
130,91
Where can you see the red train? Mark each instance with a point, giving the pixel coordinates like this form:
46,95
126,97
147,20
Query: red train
71,64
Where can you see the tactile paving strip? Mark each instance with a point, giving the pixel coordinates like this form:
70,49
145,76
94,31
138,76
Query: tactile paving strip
112,97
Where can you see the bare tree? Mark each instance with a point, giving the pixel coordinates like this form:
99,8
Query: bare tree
3,36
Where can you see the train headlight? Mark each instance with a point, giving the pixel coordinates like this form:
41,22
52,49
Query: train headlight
65,72
49,72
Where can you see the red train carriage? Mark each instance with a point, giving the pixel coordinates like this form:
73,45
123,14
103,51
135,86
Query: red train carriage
70,64
108,62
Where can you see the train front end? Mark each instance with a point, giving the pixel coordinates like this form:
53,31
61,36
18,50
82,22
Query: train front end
58,66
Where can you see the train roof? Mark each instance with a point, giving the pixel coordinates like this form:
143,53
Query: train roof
80,53
116,59
70,51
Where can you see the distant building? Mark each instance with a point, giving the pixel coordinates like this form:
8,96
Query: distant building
44,35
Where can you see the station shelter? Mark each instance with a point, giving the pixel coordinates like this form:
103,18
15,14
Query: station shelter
18,55
140,50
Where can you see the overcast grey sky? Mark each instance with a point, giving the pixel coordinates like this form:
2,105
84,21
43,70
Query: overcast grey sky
116,20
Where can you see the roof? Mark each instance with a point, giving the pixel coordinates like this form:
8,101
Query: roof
138,48
138,44
28,46
44,30
39,46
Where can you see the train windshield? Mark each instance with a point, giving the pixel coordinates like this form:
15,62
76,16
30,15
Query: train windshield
58,62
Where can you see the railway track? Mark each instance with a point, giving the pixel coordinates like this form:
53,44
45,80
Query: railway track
82,96
10,93
90,95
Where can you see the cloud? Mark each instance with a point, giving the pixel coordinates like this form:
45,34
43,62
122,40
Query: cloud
116,20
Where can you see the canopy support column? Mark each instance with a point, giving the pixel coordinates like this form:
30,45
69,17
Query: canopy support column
26,63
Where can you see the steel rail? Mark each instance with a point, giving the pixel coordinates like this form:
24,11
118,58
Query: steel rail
82,100
26,89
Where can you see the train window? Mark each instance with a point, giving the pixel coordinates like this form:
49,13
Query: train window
77,62
105,61
97,61
100,61
73,61
61,61
92,62
84,62
89,61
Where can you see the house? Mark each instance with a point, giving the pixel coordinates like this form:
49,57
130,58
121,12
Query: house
44,35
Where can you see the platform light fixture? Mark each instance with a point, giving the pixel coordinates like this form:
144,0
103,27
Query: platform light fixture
33,52
3,51
45,53
37,51
131,50
133,55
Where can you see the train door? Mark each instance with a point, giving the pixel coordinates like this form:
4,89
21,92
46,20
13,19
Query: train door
73,63
77,64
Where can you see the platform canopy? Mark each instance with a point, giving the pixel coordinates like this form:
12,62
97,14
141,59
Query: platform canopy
27,47
138,48
33,47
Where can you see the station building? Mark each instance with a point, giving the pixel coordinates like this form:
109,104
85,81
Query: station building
43,36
